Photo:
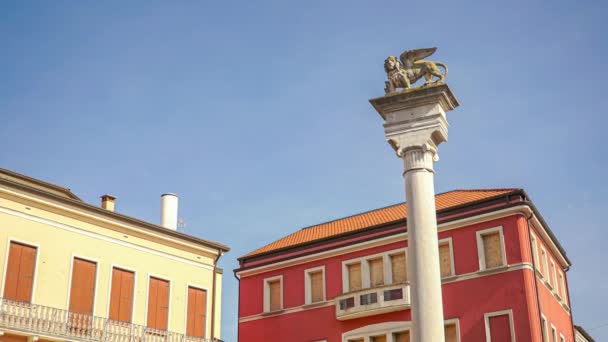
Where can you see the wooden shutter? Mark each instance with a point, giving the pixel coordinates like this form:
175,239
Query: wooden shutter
316,286
82,291
121,297
376,272
445,259
500,329
20,272
450,333
158,303
354,277
357,340
399,268
492,249
403,336
381,338
275,295
197,312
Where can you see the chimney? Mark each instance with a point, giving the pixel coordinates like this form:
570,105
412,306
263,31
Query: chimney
168,211
107,202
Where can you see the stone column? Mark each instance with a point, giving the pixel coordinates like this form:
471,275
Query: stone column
415,124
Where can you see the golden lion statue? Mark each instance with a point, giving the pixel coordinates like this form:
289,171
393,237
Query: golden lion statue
410,67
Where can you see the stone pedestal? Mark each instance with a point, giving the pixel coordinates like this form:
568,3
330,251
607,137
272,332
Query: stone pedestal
415,124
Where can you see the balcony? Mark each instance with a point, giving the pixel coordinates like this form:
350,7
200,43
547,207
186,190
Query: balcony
37,320
373,301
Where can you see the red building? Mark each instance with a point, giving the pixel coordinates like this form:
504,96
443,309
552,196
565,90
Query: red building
503,273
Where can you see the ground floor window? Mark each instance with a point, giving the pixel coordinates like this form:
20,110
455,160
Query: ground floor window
396,332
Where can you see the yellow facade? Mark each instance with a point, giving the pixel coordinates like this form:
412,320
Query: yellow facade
61,229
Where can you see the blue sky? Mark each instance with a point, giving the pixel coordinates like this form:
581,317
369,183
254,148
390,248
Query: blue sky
257,113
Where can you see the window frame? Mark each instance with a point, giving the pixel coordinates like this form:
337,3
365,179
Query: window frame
365,272
544,323
448,241
488,315
308,285
69,290
553,333
552,276
267,281
389,328
544,259
36,264
207,308
480,247
128,269
535,256
167,279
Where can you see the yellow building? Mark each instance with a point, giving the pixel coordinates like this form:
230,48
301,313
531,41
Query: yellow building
72,271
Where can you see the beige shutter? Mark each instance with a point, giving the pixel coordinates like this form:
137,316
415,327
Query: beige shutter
354,277
376,272
492,249
316,286
381,338
445,259
403,336
450,333
399,268
275,294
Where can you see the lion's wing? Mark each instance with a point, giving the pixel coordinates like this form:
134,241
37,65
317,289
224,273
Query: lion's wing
417,54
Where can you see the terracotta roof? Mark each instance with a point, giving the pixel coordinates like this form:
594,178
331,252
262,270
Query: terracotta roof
375,217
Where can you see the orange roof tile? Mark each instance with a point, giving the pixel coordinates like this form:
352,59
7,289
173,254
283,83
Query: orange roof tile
375,217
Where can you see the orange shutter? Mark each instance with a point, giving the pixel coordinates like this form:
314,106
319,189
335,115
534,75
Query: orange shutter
354,277
445,260
357,340
158,303
121,298
376,272
402,336
316,286
492,250
82,291
399,268
275,295
197,312
450,333
20,272
379,338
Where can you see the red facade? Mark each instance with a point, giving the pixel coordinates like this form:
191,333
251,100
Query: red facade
508,302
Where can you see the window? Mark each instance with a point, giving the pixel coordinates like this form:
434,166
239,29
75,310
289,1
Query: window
553,333
543,261
490,248
562,338
158,303
376,272
20,272
381,338
121,296
399,268
544,328
354,276
403,336
273,294
197,312
445,257
552,280
534,251
315,285
499,326
451,332
82,288
562,288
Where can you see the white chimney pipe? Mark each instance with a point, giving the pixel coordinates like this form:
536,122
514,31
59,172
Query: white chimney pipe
168,211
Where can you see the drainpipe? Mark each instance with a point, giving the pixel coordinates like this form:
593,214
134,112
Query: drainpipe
219,255
238,326
567,293
540,319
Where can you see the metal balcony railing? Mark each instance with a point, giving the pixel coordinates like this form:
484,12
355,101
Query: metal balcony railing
373,301
36,319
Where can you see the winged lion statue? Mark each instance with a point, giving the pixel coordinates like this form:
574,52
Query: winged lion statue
410,67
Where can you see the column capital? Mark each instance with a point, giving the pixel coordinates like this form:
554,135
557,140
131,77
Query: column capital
416,118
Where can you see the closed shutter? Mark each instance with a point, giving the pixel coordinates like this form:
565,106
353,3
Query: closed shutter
445,260
316,286
492,250
357,340
275,295
376,272
158,303
381,338
450,333
82,291
20,272
403,336
399,268
197,312
354,277
121,297
500,329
